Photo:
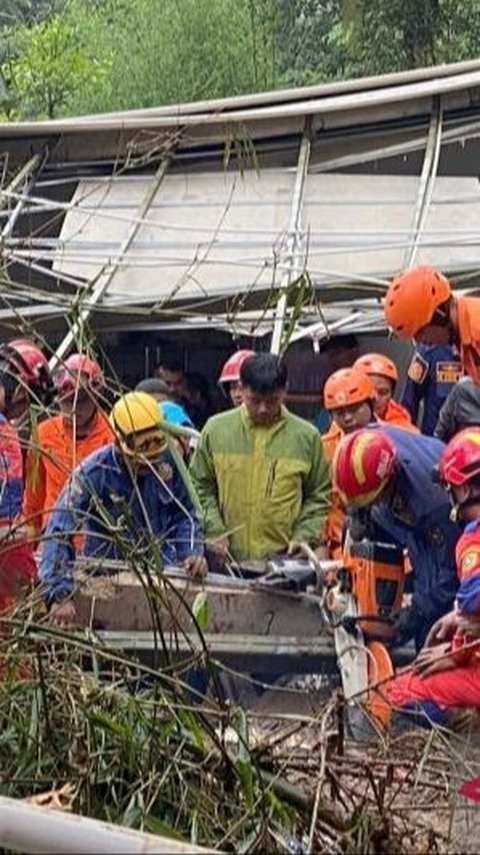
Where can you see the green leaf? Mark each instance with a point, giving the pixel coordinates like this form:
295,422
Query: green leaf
106,722
200,609
194,828
243,761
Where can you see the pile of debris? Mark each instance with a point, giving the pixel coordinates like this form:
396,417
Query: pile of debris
130,746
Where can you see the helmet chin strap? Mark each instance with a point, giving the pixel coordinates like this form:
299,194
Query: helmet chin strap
9,383
458,507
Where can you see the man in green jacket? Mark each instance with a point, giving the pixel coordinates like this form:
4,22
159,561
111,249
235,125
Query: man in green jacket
260,472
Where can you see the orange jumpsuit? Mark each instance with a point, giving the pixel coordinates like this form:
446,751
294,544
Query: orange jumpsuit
458,686
397,415
336,513
51,461
468,309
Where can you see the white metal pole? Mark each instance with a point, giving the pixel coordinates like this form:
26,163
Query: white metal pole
293,240
29,828
27,175
427,180
105,279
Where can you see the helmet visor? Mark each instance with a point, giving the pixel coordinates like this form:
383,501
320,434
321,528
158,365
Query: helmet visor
148,444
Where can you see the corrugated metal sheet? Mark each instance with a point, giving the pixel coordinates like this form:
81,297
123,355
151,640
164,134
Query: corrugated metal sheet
392,175
215,234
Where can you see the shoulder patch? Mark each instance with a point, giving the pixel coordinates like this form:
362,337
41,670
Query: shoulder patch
448,372
469,560
165,471
418,369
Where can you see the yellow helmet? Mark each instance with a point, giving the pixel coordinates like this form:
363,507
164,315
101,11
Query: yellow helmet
136,420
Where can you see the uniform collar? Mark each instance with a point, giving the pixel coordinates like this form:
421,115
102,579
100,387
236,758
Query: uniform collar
69,430
252,425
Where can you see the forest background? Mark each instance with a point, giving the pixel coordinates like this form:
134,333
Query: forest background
72,57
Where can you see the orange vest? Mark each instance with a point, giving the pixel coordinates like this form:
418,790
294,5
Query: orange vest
397,415
468,314
336,513
53,460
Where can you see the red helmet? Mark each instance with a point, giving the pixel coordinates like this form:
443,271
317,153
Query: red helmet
30,364
413,298
347,386
377,363
230,372
362,466
460,460
78,371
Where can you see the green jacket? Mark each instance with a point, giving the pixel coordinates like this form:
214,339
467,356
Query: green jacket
261,486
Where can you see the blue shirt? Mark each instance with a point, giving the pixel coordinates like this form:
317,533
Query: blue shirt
432,374
119,514
417,517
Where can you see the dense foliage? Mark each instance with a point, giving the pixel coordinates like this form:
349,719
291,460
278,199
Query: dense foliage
64,57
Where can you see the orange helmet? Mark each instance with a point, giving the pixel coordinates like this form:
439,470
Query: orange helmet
230,372
377,363
363,464
347,386
413,298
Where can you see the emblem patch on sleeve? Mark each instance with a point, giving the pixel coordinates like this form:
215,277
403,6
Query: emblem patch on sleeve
469,560
418,369
448,372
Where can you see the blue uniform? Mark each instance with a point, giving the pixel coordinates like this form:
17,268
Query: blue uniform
431,377
110,507
417,517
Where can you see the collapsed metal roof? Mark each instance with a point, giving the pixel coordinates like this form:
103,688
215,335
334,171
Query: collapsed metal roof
222,210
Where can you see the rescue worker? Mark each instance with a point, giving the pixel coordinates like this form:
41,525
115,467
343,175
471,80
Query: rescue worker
384,376
389,471
460,410
349,397
126,496
229,379
431,376
420,305
24,377
156,387
446,673
64,440
260,472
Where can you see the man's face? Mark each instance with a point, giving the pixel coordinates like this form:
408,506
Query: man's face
175,381
235,392
78,408
383,393
144,451
19,403
353,417
263,410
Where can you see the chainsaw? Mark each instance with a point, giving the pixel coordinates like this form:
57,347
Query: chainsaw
360,599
